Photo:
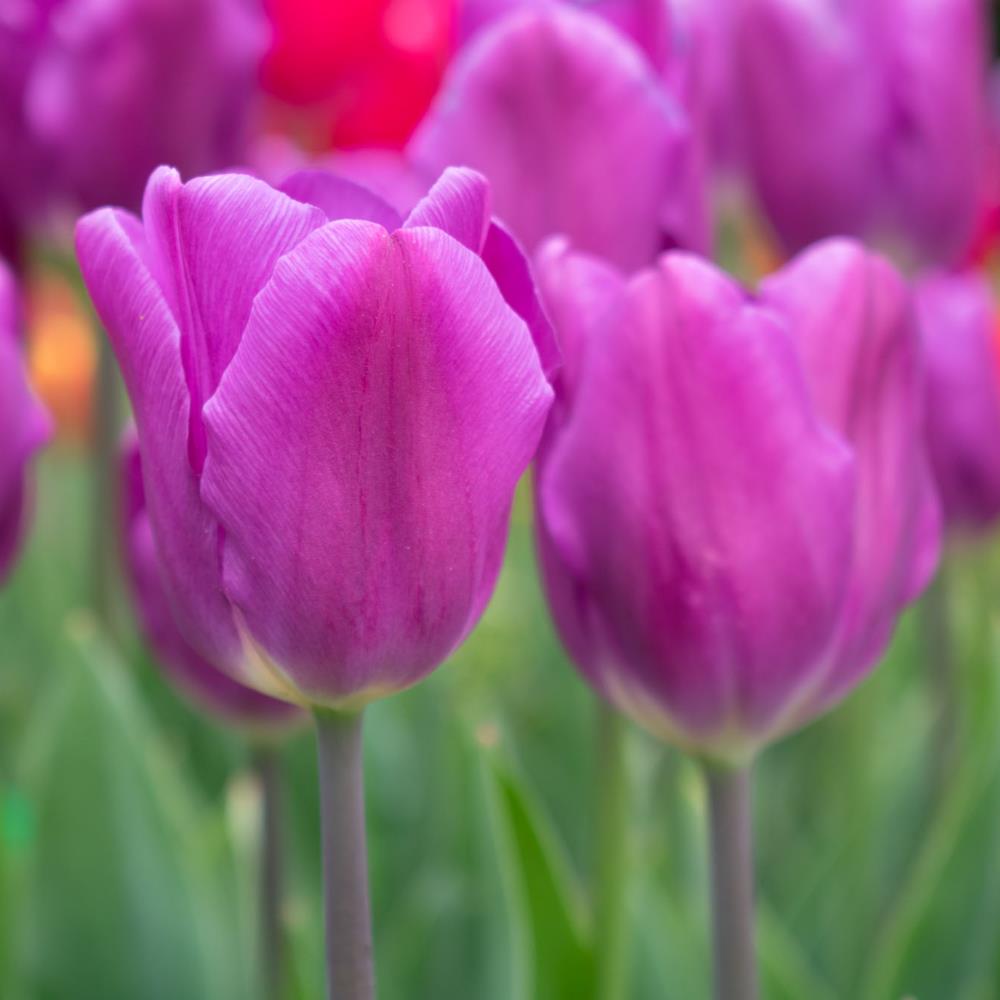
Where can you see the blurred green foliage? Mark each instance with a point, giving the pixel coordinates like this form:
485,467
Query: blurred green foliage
128,822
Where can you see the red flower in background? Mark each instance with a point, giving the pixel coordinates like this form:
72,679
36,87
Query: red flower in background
369,68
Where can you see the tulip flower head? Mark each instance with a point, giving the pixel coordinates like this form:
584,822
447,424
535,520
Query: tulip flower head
333,407
573,123
24,426
957,314
866,118
95,93
203,684
733,498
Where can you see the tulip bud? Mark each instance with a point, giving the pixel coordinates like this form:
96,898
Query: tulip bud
733,498
203,684
574,126
866,118
333,409
24,426
959,327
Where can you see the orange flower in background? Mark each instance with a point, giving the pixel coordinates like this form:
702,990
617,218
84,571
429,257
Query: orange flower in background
365,71
62,355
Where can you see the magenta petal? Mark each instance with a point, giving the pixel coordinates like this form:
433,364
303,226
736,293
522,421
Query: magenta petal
458,204
387,172
853,321
581,293
111,250
958,326
205,685
695,512
814,116
937,170
340,198
575,131
213,243
363,449
512,273
24,425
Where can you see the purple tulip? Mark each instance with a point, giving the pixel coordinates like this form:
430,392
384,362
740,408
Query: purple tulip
866,118
647,23
95,93
733,497
203,684
957,316
574,126
333,409
24,426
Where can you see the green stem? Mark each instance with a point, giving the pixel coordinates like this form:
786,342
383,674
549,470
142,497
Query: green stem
935,623
611,960
272,955
349,970
731,850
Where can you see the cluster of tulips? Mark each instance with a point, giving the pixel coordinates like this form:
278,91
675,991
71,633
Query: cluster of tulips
339,370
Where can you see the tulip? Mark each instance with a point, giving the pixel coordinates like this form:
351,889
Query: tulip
647,23
574,126
734,504
333,407
24,426
866,118
958,323
370,67
96,93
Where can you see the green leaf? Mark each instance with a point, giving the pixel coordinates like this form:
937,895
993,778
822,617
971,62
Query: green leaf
129,886
550,913
953,883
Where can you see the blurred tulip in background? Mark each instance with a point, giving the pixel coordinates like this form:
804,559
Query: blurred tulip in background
95,94
958,321
367,69
577,131
733,495
24,425
866,118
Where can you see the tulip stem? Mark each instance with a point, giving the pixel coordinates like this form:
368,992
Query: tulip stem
730,839
349,971
268,769
938,642
611,965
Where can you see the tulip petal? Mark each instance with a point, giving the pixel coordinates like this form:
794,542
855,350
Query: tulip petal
363,449
852,319
459,204
706,509
200,238
580,292
958,327
204,684
112,252
386,172
576,133
340,198
803,63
